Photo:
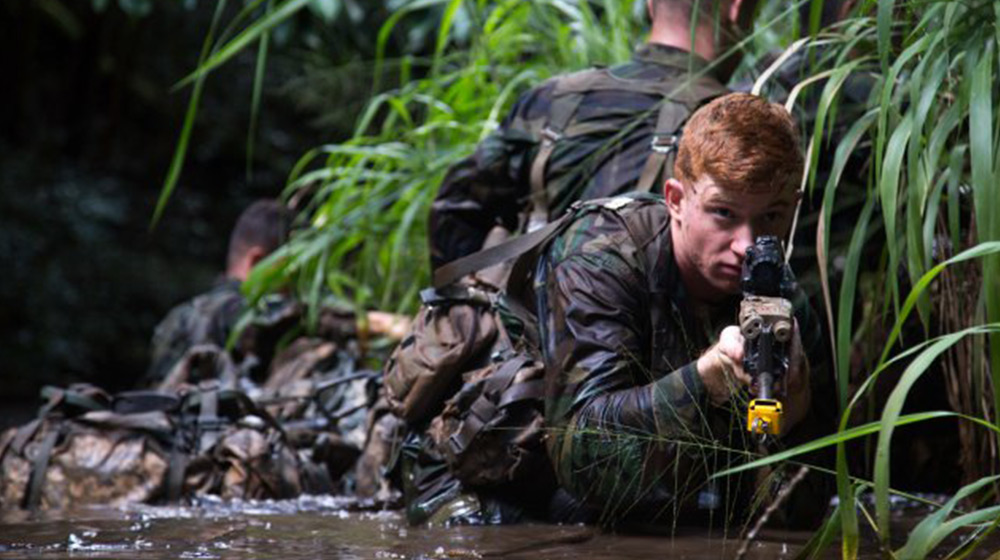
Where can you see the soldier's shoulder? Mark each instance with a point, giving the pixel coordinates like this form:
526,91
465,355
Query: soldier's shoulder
616,225
223,295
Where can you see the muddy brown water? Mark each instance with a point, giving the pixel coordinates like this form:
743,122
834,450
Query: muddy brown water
332,527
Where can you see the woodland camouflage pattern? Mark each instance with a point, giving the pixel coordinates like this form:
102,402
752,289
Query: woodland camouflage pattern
206,319
630,429
491,186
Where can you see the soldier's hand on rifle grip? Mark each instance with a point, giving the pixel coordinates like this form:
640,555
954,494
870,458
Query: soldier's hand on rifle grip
721,366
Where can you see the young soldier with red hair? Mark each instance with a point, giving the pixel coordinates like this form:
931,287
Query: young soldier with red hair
636,303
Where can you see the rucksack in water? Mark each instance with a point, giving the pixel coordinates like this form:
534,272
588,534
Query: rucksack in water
87,447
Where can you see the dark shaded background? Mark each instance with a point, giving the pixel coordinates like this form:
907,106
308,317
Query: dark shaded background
88,127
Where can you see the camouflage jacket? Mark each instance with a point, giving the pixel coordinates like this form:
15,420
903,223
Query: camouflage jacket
630,430
207,318
492,186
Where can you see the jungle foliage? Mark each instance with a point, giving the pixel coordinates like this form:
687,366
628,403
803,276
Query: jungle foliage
914,170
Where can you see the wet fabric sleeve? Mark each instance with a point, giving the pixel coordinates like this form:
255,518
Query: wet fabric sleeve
614,429
489,187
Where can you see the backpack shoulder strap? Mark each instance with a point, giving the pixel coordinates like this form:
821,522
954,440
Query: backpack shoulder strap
561,112
497,254
666,135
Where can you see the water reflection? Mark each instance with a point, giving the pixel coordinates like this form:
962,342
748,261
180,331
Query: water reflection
334,527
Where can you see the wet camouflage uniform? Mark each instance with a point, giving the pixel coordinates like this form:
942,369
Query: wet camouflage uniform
631,431
208,318
492,186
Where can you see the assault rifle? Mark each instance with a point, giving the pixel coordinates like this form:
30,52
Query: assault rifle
766,321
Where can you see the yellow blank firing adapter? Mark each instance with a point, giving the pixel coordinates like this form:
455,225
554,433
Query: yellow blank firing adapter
764,417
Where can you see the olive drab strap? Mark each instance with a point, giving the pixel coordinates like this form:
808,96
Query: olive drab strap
39,466
663,146
209,424
520,245
483,410
679,98
674,111
486,258
563,110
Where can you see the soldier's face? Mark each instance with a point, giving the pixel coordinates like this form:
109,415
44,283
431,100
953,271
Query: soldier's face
712,227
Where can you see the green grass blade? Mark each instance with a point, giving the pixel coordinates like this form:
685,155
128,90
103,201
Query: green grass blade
979,251
258,87
841,437
386,31
821,539
885,32
444,32
246,37
889,196
180,152
848,289
890,416
986,194
933,529
955,164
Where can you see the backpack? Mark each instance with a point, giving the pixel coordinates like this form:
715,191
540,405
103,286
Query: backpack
319,396
573,150
471,370
88,447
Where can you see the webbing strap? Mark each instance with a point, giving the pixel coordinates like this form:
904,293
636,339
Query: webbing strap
135,402
24,434
685,90
504,376
208,419
176,468
516,247
483,410
40,465
562,110
663,146
522,392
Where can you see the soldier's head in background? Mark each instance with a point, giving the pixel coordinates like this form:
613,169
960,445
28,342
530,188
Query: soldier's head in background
260,229
738,169
718,26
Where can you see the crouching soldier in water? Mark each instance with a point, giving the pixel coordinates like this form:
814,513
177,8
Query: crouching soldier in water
636,309
635,299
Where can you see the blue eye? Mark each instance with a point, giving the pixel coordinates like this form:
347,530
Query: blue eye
722,212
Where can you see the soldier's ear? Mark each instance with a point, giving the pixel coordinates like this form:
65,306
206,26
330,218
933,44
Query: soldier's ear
255,254
673,192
